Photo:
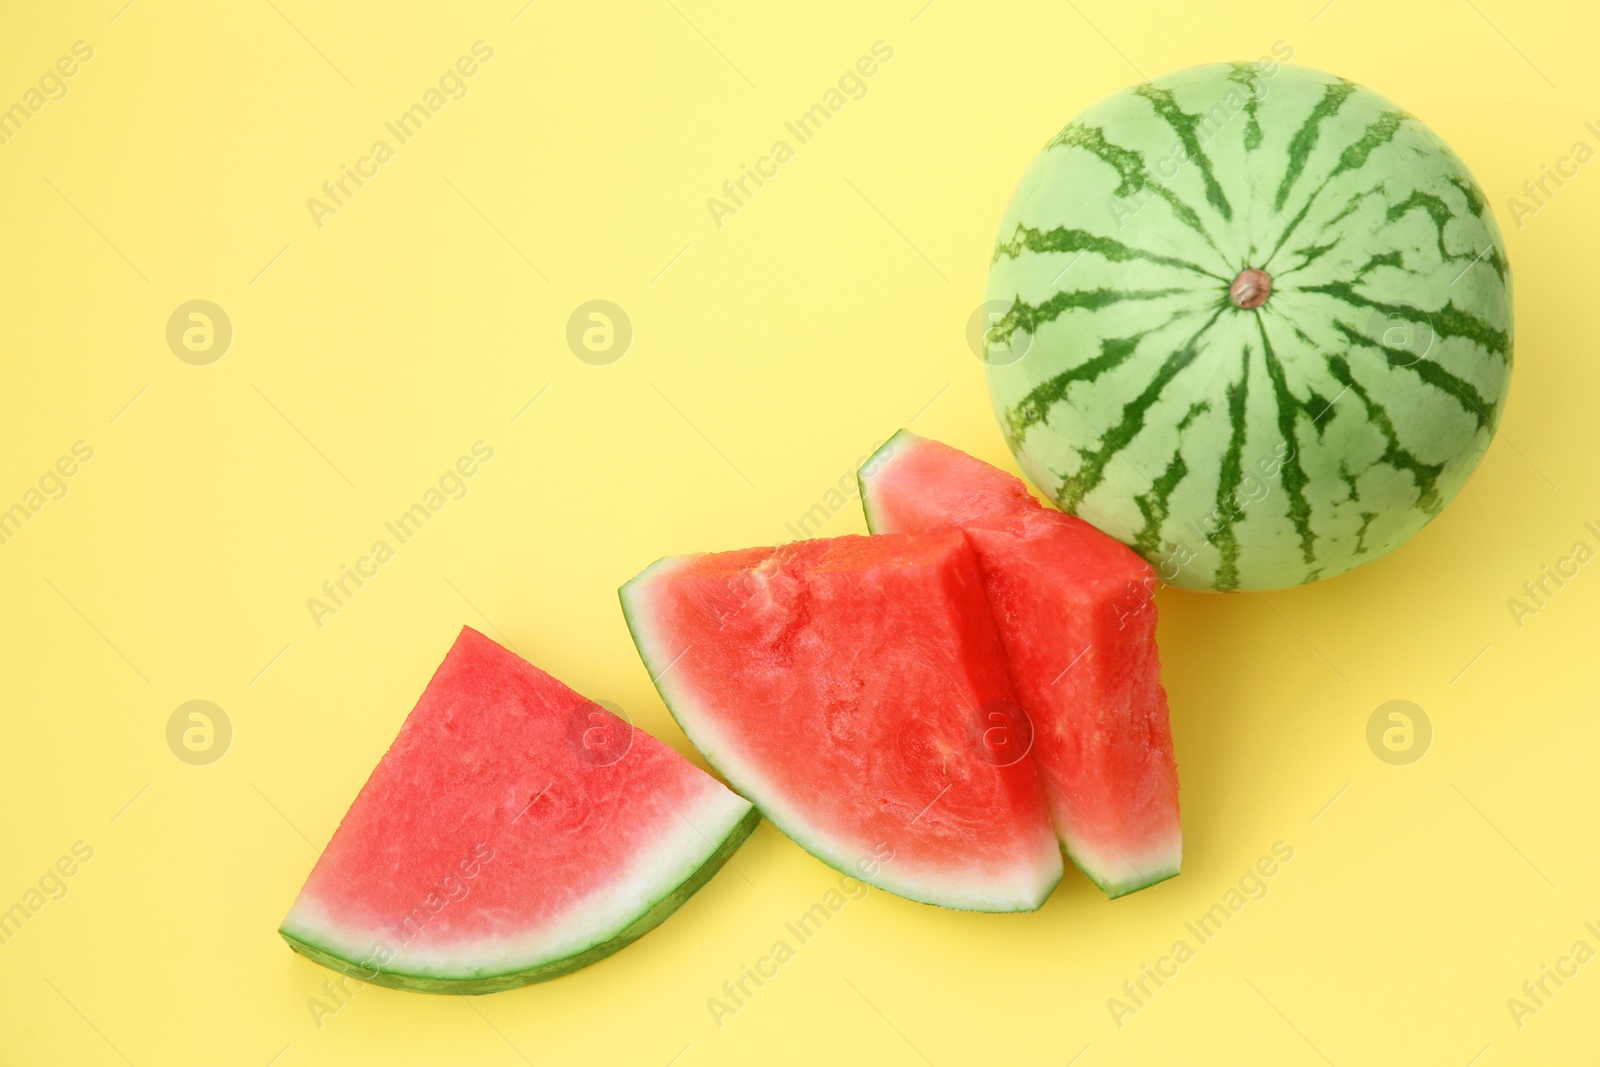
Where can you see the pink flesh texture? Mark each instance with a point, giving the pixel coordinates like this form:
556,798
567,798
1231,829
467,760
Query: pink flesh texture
851,674
489,759
1075,612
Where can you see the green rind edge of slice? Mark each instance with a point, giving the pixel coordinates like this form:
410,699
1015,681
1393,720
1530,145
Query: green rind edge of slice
862,476
1113,890
649,920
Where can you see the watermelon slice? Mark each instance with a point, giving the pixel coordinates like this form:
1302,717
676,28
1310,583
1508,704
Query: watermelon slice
1075,613
514,831
844,685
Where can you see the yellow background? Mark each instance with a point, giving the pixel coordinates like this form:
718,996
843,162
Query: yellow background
769,355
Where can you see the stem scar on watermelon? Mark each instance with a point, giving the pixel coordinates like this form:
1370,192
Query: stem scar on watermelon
839,685
1075,616
514,832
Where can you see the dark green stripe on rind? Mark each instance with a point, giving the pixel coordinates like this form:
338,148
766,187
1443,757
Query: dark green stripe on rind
1078,484
1305,138
1308,254
1035,407
1479,205
1448,321
1292,474
1247,75
1027,317
1393,259
1130,166
1431,373
1068,239
495,983
1378,133
1155,504
1367,518
1437,210
1350,207
1185,126
1228,481
1352,204
1425,475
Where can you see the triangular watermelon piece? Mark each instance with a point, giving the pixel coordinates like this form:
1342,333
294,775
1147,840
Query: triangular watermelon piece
1075,612
514,831
846,686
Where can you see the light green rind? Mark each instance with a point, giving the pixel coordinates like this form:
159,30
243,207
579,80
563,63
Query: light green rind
1261,448
1112,889
494,983
863,475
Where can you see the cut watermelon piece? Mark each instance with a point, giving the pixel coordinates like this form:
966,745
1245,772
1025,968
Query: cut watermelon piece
514,831
1076,614
844,685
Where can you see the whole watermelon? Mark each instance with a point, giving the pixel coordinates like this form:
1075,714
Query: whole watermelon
1253,320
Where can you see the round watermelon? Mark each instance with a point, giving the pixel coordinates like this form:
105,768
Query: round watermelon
1252,320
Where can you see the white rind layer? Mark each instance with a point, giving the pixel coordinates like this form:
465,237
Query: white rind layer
688,838
1118,871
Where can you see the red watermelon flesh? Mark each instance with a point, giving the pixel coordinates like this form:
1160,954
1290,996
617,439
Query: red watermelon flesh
1075,612
514,831
842,685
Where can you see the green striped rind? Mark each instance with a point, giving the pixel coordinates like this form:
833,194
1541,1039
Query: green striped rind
1269,447
648,920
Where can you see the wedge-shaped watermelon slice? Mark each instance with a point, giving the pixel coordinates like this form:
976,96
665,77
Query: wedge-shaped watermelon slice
843,686
514,831
1075,612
